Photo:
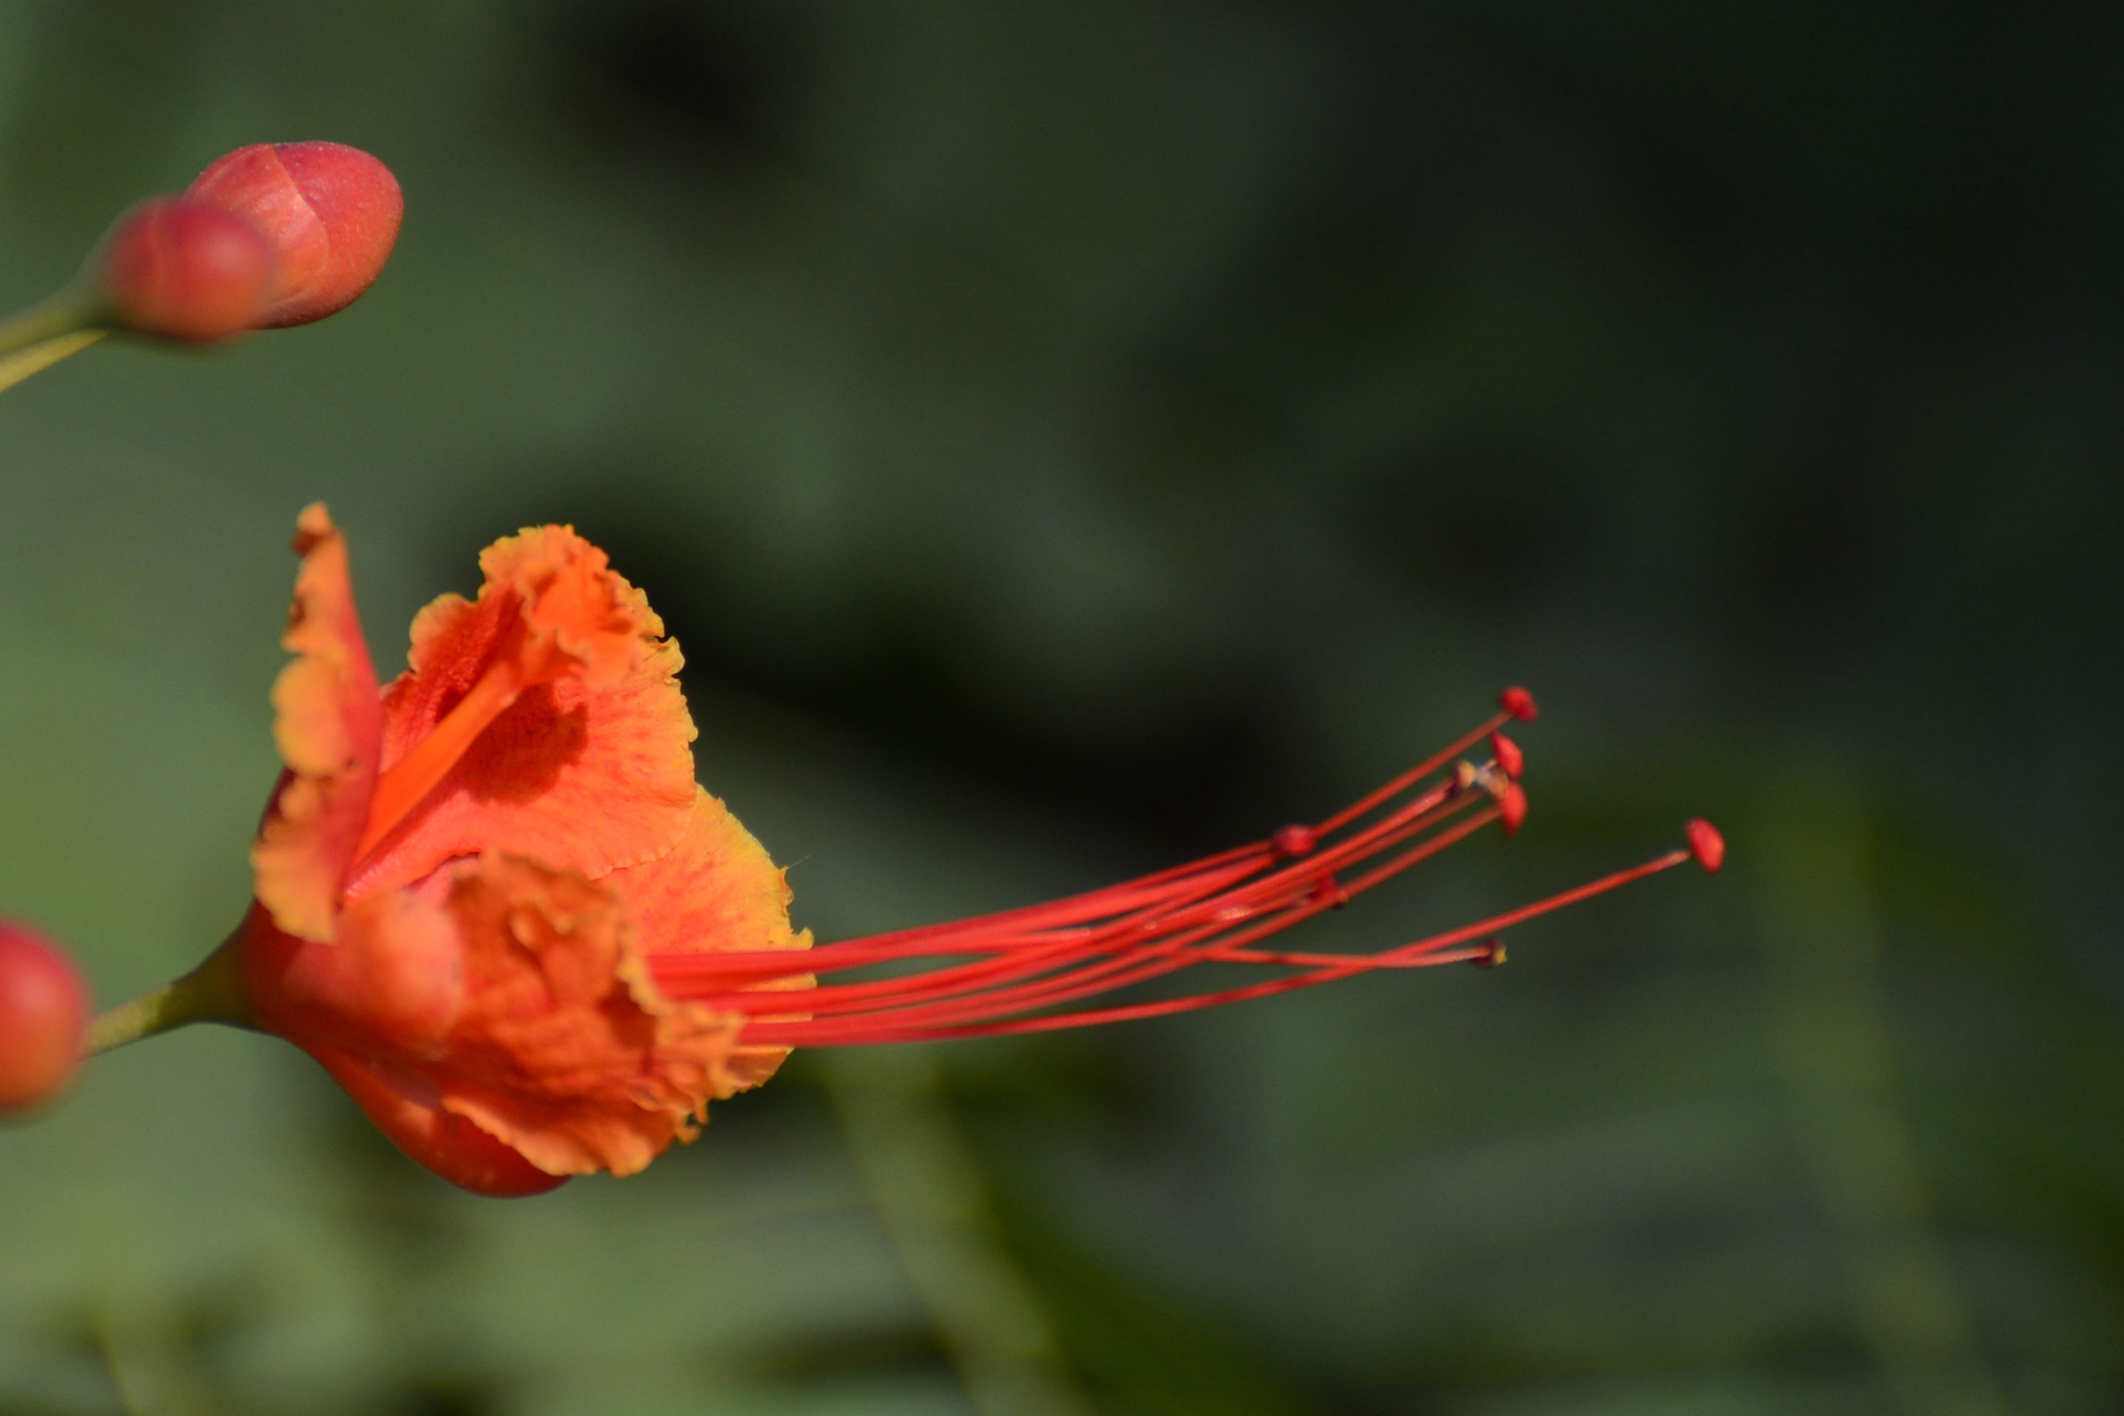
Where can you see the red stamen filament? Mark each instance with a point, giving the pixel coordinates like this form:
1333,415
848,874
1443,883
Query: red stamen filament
1007,972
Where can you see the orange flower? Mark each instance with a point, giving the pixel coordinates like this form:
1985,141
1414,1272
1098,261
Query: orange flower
459,880
493,903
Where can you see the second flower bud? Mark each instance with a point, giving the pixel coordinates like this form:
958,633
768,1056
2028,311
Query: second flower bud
43,1013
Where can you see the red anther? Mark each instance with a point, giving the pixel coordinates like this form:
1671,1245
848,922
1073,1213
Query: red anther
1295,840
1510,759
1519,703
1512,807
186,271
1328,891
43,1016
1706,844
1493,954
331,213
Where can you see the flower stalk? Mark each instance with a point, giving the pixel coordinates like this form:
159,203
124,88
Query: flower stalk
55,328
211,993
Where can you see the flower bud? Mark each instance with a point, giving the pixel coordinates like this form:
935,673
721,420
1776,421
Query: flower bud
185,271
43,1016
330,213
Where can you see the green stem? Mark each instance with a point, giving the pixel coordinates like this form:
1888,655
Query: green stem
211,993
34,339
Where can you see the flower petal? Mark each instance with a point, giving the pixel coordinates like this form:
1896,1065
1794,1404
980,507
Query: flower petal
590,766
391,983
564,1049
409,1111
327,723
716,889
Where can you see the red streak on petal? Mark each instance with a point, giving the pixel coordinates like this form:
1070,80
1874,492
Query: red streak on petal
430,760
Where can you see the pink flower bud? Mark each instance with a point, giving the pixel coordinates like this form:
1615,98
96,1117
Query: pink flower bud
329,211
185,271
43,1015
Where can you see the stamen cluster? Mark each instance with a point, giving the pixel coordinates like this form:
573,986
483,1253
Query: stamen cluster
1020,970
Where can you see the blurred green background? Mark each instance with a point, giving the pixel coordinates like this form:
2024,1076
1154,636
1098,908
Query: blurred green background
1071,436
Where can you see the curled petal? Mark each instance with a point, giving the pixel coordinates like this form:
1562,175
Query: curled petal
716,890
327,724
584,757
564,1049
576,612
508,994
